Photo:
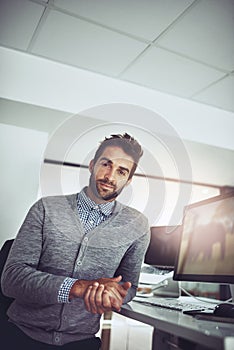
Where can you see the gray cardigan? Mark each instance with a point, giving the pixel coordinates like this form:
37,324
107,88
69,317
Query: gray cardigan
51,246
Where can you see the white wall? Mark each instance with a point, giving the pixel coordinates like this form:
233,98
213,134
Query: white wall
20,159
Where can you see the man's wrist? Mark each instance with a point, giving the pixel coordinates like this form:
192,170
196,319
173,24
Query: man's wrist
78,289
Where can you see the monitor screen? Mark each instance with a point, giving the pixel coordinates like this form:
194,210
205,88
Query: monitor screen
163,247
206,252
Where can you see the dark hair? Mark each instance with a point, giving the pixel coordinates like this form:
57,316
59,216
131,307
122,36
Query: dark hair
128,144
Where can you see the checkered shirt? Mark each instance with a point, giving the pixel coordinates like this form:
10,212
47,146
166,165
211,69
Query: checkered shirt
91,215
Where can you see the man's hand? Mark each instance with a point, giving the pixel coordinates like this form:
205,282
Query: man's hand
101,295
105,295
97,300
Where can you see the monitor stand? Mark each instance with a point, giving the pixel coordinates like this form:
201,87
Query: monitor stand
170,289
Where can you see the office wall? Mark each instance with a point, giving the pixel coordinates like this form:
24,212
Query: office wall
75,139
64,90
20,159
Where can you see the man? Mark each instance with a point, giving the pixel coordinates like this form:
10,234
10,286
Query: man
77,256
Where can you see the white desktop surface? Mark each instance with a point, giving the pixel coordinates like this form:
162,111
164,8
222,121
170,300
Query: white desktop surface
213,335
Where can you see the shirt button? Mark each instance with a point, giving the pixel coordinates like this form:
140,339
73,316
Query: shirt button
96,207
79,263
57,338
64,318
86,239
91,221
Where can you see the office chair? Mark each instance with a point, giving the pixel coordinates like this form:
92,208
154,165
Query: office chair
4,300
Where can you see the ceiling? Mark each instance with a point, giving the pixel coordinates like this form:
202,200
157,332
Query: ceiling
181,47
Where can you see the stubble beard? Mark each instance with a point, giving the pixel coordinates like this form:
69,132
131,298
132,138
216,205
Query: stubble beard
101,193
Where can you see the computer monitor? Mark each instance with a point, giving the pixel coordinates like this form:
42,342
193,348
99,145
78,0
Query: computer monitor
206,251
163,247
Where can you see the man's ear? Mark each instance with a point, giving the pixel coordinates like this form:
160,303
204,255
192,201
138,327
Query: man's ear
91,166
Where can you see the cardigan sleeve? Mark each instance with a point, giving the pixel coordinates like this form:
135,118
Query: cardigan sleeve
21,278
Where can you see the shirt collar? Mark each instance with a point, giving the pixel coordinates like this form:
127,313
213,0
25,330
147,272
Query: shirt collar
88,204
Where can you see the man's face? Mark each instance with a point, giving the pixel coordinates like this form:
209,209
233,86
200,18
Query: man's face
109,175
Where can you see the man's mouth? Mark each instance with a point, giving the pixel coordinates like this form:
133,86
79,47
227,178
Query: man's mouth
106,185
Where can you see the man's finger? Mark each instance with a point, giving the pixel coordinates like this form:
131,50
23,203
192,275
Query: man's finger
92,298
127,285
98,299
86,298
106,300
117,279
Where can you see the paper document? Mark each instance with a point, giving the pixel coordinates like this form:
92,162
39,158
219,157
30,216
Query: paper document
152,278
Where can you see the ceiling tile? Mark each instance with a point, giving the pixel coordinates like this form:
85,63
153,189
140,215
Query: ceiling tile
18,20
86,45
220,94
206,33
168,72
145,19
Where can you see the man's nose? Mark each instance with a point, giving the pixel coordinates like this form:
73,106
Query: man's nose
109,174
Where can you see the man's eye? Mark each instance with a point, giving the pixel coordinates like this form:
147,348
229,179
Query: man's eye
122,172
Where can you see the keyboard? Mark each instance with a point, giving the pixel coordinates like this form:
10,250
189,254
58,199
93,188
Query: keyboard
183,304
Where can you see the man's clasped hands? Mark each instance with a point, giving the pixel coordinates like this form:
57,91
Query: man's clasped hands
101,295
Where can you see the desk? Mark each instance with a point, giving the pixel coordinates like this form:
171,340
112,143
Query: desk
183,331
